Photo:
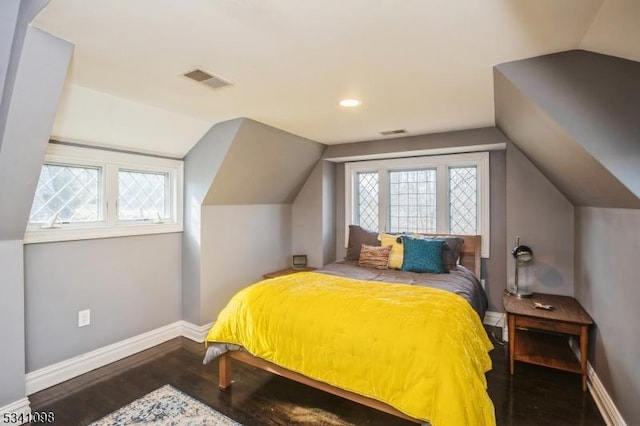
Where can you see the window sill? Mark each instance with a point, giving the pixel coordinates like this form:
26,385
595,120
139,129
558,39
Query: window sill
34,236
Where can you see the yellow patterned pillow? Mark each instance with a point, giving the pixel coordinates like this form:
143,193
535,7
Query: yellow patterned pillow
397,250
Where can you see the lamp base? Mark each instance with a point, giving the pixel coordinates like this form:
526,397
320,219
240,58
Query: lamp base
520,294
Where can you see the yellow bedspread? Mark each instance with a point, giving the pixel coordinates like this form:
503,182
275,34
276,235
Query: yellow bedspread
421,350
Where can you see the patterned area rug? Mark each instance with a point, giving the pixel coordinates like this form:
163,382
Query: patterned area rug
166,406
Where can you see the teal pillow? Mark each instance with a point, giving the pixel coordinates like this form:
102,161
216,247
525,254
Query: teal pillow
422,255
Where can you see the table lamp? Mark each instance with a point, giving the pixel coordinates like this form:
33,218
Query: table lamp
522,255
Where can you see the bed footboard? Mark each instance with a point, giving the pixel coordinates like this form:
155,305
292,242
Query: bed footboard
224,365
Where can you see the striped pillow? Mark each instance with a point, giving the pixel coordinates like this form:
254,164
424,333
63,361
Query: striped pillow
374,257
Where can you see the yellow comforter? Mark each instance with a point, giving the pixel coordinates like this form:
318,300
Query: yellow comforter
421,350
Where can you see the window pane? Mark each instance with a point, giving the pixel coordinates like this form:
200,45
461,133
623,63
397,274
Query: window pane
412,201
69,192
142,195
367,199
463,208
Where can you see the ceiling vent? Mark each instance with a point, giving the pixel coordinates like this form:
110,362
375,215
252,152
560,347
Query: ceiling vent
393,132
206,78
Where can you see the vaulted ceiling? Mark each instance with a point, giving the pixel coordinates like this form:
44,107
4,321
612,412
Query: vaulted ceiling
423,66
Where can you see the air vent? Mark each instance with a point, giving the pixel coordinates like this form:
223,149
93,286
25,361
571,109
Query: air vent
206,78
393,132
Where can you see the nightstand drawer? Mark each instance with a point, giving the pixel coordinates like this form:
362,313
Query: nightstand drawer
547,324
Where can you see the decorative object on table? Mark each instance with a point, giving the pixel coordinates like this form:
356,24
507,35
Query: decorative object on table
522,255
166,406
538,305
299,261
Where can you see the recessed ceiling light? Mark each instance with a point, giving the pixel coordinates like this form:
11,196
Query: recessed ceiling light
349,103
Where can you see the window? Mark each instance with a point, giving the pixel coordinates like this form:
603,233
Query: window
436,194
142,195
412,201
367,204
67,193
92,193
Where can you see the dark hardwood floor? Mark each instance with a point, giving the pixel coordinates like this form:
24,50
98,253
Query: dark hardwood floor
534,396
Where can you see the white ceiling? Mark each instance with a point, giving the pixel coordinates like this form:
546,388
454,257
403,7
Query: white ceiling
420,65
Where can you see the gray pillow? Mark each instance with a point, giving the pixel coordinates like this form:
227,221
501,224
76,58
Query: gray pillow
451,252
357,237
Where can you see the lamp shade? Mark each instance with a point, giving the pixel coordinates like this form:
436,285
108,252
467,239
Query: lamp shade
522,254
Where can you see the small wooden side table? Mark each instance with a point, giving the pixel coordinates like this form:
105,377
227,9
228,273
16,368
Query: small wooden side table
541,337
286,271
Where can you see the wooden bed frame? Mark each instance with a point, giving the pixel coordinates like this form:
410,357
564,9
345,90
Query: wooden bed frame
469,258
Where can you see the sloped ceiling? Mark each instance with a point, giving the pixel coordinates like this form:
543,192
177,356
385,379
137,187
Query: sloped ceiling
575,115
615,30
424,66
263,165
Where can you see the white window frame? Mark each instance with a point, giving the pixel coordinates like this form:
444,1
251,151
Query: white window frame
441,163
110,163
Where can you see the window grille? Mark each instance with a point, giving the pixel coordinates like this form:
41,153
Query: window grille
368,191
412,201
142,195
66,194
463,199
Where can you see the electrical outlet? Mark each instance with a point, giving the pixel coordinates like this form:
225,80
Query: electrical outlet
84,318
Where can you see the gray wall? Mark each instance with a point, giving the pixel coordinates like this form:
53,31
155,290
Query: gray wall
607,247
239,244
414,145
306,221
131,285
200,167
493,269
33,66
313,217
12,363
328,211
543,219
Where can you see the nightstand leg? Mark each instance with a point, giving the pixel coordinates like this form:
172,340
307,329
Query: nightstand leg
511,321
584,340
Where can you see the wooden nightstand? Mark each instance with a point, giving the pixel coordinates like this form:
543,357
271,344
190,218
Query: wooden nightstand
286,271
539,336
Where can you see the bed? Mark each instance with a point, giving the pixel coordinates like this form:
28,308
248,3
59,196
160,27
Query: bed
406,343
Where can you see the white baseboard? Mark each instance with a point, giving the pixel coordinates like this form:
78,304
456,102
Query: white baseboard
495,319
605,404
607,407
194,332
19,409
73,367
